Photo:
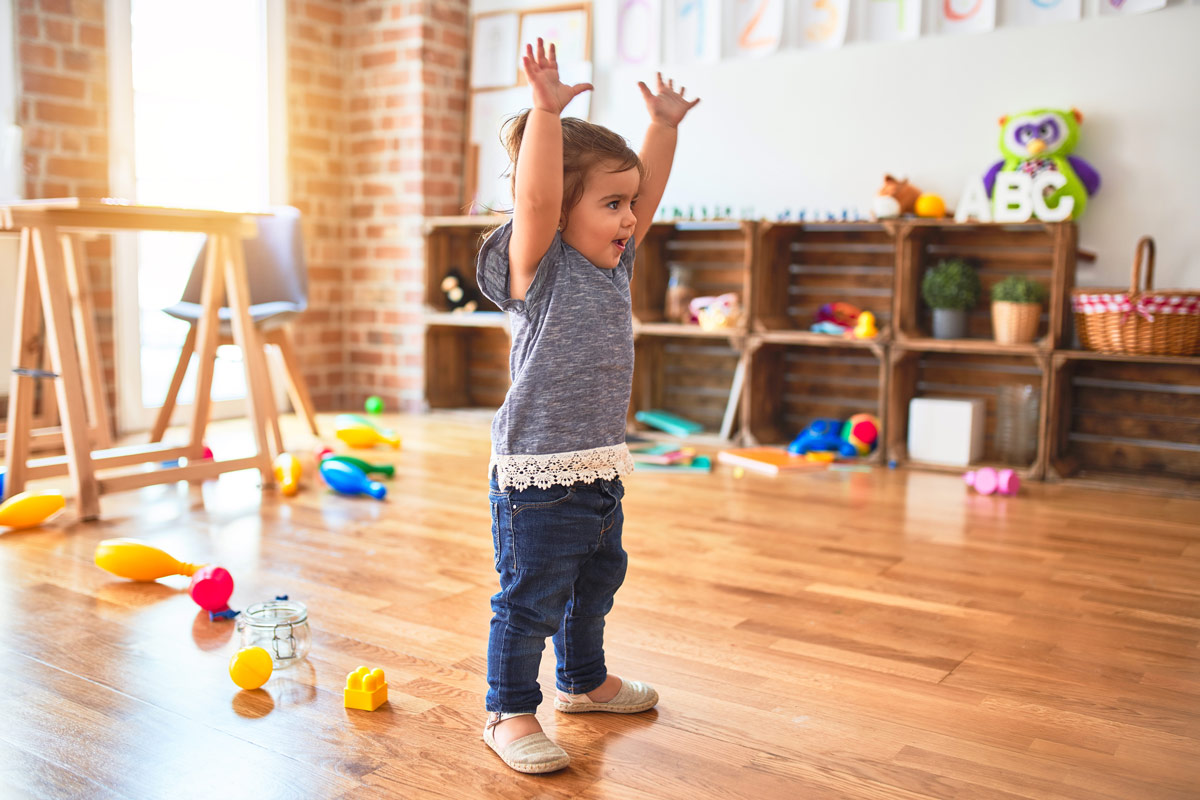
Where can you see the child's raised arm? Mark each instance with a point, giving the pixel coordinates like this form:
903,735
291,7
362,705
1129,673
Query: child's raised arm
537,204
667,109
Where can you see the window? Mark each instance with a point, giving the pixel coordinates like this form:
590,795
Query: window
198,121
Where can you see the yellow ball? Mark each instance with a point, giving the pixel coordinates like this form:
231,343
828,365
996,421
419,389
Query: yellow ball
250,667
930,205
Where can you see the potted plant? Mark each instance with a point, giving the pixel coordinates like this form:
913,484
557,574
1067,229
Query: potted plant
1017,309
951,289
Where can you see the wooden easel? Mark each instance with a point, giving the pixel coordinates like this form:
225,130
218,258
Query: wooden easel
51,273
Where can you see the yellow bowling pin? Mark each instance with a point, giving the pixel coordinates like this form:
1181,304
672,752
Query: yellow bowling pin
28,509
287,472
362,436
136,560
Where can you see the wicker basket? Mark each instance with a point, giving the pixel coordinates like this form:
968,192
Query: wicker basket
1141,321
1015,323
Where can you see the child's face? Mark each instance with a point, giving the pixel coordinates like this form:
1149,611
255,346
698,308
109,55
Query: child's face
601,223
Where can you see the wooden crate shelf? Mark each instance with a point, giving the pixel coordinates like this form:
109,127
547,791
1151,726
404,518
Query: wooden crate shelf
967,376
789,385
1043,252
717,255
802,266
465,366
686,376
784,272
453,243
1128,421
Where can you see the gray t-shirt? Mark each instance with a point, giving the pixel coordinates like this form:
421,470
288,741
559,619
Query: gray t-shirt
563,419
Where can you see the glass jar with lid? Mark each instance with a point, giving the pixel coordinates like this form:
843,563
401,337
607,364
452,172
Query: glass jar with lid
278,626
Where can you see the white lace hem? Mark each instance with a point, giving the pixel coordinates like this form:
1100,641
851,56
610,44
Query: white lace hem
544,471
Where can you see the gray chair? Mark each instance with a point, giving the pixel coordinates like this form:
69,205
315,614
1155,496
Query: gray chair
278,277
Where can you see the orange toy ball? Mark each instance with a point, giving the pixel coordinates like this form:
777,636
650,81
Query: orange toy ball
930,205
250,667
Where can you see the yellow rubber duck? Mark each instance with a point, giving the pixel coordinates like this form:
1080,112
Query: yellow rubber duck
865,328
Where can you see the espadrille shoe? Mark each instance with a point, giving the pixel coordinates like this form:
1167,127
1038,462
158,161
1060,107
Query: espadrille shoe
634,696
530,754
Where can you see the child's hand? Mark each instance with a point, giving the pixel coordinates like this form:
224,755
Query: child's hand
668,106
549,93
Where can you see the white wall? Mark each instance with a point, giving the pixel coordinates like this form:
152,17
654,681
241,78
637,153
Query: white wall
802,129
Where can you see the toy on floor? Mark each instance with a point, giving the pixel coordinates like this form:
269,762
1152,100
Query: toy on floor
211,587
348,479
986,480
357,431
322,452
287,472
250,667
1041,141
823,434
668,422
365,690
386,470
862,431
374,404
28,509
138,561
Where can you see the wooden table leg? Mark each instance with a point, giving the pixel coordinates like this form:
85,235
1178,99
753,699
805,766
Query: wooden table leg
85,332
163,421
26,348
69,385
258,382
207,329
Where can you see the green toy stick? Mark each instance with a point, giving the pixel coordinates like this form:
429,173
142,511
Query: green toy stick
382,469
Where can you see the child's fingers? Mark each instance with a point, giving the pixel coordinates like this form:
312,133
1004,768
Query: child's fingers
541,51
553,56
646,93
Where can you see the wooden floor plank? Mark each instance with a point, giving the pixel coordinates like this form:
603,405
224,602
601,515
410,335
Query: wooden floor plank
888,634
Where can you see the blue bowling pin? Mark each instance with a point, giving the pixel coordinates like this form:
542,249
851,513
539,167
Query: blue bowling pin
349,479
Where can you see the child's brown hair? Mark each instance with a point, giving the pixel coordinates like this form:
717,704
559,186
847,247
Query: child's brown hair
585,145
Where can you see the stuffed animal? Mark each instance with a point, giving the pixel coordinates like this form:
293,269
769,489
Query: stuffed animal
1041,140
894,198
459,297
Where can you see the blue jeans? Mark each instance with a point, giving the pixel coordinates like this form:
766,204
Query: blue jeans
559,555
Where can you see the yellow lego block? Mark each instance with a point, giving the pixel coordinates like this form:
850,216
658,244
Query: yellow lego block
366,689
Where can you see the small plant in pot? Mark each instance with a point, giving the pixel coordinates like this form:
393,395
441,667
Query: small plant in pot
1017,309
951,289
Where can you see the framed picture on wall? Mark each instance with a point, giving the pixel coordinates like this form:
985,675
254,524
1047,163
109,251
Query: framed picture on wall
498,89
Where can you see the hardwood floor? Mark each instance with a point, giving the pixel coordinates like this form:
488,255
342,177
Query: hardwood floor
830,635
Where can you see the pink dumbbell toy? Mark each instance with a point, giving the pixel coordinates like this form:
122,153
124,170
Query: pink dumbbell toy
989,481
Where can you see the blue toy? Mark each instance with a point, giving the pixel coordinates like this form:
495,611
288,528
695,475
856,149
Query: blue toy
349,479
823,435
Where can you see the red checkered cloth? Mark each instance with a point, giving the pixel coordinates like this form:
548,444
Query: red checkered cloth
1146,307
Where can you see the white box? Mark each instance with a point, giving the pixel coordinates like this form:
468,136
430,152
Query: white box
946,431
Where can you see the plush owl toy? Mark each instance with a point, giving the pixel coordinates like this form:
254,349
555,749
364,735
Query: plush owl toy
1042,140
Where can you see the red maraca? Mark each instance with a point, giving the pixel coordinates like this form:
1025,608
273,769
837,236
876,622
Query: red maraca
211,588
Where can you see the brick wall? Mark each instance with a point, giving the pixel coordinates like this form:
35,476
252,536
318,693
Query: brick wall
376,128
407,86
63,112
317,123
